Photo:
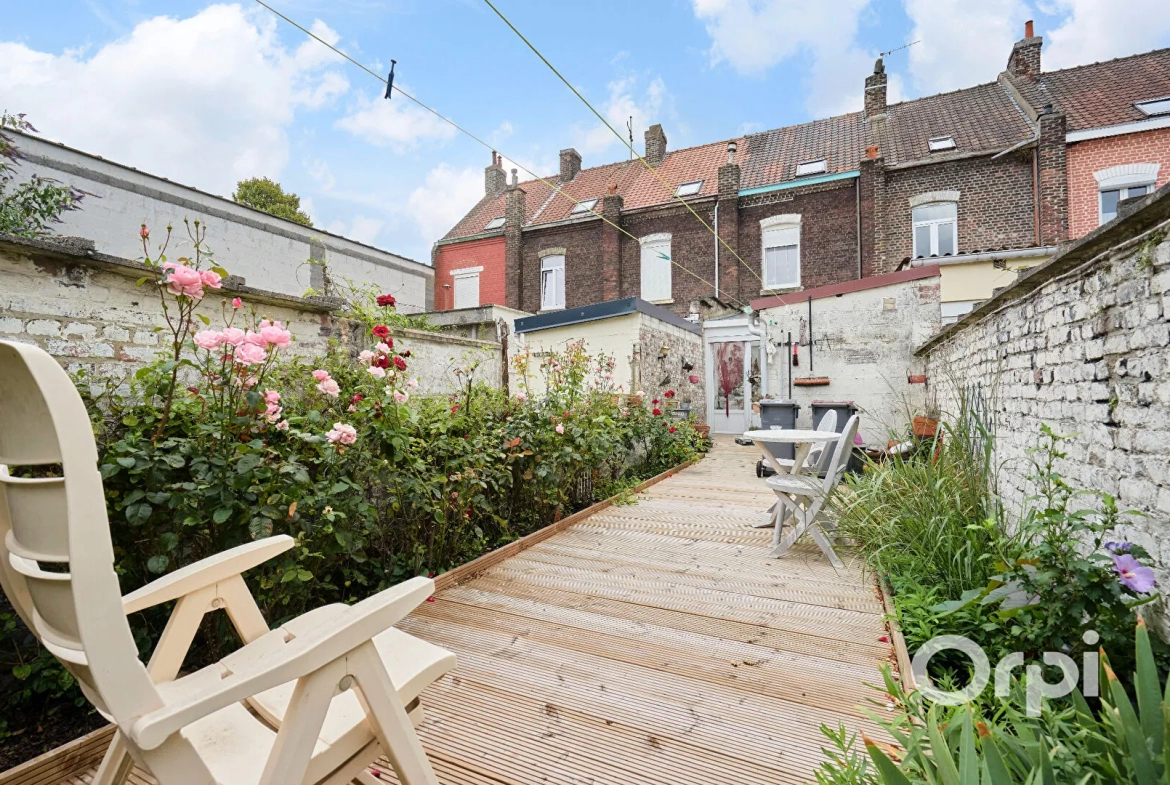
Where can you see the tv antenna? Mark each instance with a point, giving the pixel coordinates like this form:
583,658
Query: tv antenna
898,49
630,128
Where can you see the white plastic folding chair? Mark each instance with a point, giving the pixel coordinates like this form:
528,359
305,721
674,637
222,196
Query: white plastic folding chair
814,463
803,497
329,691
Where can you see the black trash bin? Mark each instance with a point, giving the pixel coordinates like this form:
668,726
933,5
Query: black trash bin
777,413
844,410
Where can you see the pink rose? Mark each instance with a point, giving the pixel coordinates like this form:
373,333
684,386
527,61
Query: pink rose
210,278
520,396
400,397
271,396
330,387
272,413
208,339
233,336
282,425
560,428
383,348
237,302
342,433
255,339
320,375
275,335
366,355
376,372
250,354
412,384
182,280
693,378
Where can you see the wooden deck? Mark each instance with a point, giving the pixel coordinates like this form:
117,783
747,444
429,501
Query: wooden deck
648,643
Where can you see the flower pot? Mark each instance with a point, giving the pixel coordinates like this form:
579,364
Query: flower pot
704,431
925,427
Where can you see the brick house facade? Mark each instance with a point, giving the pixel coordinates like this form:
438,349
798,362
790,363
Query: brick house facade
1146,154
834,199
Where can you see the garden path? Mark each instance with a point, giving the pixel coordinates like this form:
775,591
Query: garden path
651,643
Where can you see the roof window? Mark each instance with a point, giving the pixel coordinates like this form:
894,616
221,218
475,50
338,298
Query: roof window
939,143
494,223
1158,106
811,167
689,189
584,206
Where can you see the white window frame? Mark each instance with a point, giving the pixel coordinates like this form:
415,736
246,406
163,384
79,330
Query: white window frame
1154,107
777,231
1122,178
583,206
816,166
655,270
464,274
689,189
552,268
934,225
937,144
495,223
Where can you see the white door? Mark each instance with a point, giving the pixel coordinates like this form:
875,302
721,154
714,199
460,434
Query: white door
729,389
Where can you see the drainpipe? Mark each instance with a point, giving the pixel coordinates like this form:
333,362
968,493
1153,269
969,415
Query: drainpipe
716,249
857,183
756,327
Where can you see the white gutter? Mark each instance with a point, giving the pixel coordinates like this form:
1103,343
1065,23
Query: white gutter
986,256
1117,130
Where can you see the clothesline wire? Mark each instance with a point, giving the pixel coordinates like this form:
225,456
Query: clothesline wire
555,188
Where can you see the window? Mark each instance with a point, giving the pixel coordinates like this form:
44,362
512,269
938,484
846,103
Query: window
1110,198
583,206
689,189
780,253
938,143
494,223
656,264
552,282
811,167
1155,107
936,229
466,288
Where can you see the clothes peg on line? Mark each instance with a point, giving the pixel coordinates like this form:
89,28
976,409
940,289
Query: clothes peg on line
390,80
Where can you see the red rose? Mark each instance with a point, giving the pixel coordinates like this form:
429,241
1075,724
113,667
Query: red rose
694,378
673,429
381,361
406,353
654,401
664,422
670,393
357,397
389,341
400,363
382,331
656,412
386,300
455,408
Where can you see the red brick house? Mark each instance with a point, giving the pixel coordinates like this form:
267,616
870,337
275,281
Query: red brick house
985,179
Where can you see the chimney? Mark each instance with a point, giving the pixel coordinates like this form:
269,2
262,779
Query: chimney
875,91
1025,59
494,179
570,164
655,145
731,148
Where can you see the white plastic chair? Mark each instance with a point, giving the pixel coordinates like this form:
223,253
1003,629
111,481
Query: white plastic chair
330,689
804,497
814,463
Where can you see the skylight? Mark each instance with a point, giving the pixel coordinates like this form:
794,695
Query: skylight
494,223
1155,107
583,206
689,189
811,167
938,143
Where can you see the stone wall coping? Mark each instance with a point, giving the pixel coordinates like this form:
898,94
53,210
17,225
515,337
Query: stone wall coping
440,337
1149,213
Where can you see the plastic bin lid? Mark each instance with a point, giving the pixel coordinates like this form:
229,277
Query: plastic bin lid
778,402
832,403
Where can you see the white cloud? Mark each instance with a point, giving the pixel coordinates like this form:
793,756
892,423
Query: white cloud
502,132
204,100
444,199
321,173
362,228
398,123
962,43
627,98
1103,29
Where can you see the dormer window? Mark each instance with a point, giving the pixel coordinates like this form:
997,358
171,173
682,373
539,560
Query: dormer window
584,206
940,143
494,223
811,167
689,189
1158,106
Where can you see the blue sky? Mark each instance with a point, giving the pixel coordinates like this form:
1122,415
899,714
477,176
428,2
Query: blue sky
206,94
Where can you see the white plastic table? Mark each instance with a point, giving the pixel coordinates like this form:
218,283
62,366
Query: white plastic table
802,439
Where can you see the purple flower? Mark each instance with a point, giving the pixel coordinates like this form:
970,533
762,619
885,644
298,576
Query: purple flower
1134,576
1118,547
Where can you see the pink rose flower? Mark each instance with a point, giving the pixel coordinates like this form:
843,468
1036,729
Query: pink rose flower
282,425
366,355
275,335
320,375
560,428
376,372
233,336
693,378
256,339
182,280
412,384
400,397
272,396
272,413
521,396
330,387
237,302
211,279
208,339
341,433
383,348
250,354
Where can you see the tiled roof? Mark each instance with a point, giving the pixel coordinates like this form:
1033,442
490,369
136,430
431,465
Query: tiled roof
979,118
1102,94
772,156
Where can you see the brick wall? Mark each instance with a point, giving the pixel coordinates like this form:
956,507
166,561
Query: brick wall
692,246
584,263
487,253
1082,344
1093,155
995,205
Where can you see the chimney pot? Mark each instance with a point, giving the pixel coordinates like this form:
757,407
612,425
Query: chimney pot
515,179
1028,29
495,181
731,148
871,152
1024,61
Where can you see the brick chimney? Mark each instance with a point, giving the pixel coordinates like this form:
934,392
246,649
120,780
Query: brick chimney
875,90
570,164
655,145
514,215
1025,59
494,178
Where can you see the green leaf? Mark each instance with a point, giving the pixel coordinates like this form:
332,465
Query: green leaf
1135,740
891,774
203,319
940,750
130,420
1149,689
222,272
995,769
138,514
222,514
248,463
158,564
339,487
126,462
304,575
